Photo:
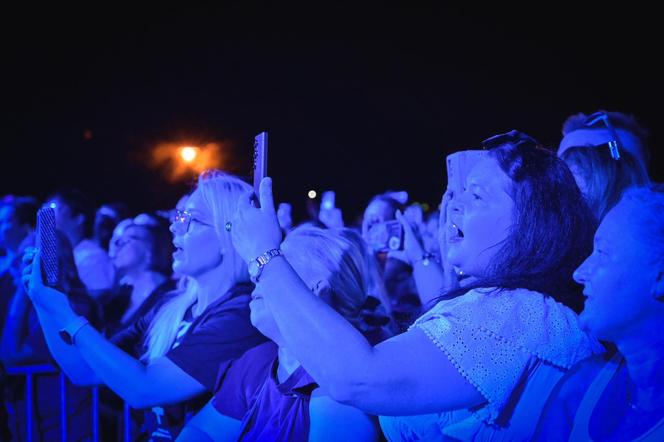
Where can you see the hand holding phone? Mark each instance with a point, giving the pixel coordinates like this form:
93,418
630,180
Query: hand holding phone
386,236
47,242
260,163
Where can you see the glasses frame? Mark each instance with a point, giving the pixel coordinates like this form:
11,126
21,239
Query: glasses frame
183,218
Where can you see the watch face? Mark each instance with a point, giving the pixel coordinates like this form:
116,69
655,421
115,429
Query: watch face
254,269
65,337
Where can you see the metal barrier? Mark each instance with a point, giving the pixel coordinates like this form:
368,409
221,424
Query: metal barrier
30,371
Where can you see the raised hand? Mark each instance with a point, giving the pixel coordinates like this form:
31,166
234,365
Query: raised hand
413,246
255,230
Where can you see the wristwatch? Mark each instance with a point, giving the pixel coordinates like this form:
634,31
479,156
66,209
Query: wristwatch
68,334
256,265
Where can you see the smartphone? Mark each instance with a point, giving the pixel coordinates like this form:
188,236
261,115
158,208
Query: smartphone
328,200
260,163
48,245
386,236
458,166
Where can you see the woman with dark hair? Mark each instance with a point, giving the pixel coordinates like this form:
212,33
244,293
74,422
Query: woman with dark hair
480,364
619,395
142,260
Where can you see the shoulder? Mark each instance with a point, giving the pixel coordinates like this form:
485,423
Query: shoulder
574,384
557,419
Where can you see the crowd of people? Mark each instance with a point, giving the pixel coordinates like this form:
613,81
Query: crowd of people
526,306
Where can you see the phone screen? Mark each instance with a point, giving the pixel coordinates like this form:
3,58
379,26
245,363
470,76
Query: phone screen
327,200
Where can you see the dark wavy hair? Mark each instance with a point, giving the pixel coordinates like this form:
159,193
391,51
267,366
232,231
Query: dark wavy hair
553,226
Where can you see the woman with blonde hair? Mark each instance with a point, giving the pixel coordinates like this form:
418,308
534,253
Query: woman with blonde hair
266,394
158,360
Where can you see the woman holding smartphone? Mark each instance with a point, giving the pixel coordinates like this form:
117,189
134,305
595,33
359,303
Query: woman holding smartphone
158,360
482,361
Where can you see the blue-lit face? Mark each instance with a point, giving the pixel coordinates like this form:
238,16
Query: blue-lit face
132,250
261,317
480,219
197,249
618,278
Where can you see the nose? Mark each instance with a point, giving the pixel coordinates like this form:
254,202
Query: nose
580,275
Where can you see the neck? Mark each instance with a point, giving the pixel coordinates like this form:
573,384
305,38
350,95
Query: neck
644,357
287,364
210,286
645,360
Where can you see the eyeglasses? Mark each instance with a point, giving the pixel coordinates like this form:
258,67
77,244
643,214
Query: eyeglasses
614,144
513,137
182,221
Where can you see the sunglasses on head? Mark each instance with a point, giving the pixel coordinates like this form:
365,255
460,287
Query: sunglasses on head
602,118
513,137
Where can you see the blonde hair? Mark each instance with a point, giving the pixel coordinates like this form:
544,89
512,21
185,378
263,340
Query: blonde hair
337,256
220,193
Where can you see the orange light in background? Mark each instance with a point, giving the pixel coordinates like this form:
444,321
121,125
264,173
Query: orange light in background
188,153
179,161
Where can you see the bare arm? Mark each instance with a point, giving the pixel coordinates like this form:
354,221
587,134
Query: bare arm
95,359
331,421
407,374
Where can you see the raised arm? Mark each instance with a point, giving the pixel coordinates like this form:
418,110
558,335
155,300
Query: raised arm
93,359
407,374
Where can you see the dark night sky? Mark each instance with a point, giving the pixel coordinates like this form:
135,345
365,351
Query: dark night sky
358,100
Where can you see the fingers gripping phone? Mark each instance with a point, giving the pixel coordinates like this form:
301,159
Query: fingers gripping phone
260,164
458,166
47,243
